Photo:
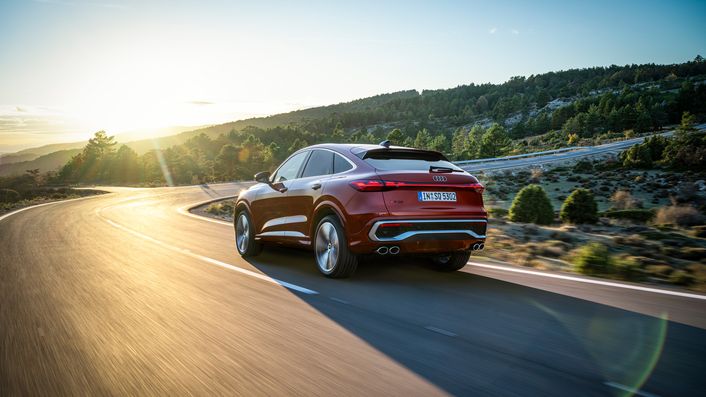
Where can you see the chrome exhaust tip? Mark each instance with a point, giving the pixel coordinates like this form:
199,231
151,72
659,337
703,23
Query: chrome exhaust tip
481,246
476,247
382,251
394,250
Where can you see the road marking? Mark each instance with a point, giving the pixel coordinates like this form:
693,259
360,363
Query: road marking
185,210
345,302
440,331
630,390
43,204
589,281
215,261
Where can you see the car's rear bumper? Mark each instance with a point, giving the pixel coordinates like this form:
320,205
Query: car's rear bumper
420,236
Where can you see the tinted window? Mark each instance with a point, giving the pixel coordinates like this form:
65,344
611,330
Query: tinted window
320,163
290,168
340,164
422,161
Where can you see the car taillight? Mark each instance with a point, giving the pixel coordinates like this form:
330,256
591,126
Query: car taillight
377,185
368,185
476,187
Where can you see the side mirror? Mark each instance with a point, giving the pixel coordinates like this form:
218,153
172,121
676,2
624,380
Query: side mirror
263,177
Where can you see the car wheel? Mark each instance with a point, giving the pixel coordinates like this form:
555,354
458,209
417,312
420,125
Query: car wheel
451,261
333,258
245,236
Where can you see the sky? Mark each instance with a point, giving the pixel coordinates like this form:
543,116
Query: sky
71,67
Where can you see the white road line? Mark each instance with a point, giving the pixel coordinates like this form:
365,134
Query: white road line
214,261
43,204
440,331
589,281
342,301
630,390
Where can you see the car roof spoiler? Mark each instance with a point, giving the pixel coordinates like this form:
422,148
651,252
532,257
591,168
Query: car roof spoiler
398,152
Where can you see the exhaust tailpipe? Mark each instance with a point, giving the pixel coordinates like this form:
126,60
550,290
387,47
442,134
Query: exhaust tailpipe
481,246
394,250
382,250
476,246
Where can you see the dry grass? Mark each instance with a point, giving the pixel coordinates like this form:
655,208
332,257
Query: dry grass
680,215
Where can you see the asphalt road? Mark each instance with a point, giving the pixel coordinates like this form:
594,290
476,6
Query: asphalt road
122,294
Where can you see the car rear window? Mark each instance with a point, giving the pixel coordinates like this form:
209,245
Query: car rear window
391,160
340,164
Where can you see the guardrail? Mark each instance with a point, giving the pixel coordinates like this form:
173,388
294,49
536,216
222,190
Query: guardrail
520,156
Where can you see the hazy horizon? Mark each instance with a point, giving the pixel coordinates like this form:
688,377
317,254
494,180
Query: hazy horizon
70,68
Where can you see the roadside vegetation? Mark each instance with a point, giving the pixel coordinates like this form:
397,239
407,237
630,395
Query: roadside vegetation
33,188
613,217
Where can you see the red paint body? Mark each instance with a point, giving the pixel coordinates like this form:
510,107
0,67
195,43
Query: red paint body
288,212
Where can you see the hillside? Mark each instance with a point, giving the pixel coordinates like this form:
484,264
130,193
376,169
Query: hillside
524,114
47,162
291,118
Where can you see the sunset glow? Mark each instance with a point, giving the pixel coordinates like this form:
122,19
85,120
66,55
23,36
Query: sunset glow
70,68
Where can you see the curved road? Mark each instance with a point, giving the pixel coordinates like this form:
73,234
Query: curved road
123,294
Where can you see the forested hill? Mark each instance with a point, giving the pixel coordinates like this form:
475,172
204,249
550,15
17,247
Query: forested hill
520,98
296,117
555,109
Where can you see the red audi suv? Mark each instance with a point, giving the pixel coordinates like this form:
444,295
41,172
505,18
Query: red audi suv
347,200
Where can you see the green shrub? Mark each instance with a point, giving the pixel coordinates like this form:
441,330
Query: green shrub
498,212
583,166
593,258
627,268
9,196
531,205
636,214
579,207
659,271
681,277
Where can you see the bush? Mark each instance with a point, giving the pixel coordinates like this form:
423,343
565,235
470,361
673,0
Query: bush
635,215
531,205
681,277
593,258
637,156
221,209
623,200
579,207
680,215
498,212
583,166
9,196
627,268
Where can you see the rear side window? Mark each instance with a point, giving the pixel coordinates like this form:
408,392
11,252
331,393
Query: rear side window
340,164
320,163
391,160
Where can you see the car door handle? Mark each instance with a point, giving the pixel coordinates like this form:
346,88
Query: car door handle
316,186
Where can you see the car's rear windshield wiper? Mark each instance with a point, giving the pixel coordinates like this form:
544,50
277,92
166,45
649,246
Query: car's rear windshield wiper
436,168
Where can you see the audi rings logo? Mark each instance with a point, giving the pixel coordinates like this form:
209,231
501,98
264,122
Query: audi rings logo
439,178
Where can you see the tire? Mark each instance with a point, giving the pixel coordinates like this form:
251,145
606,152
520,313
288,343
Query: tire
245,235
333,257
451,261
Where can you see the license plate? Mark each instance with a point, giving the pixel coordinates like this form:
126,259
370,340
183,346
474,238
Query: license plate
436,196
